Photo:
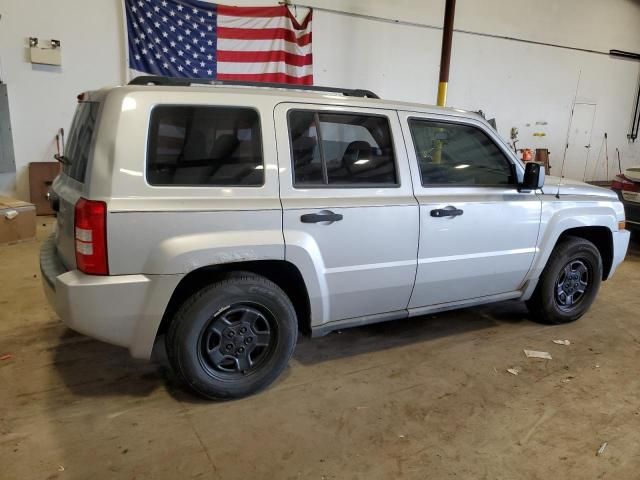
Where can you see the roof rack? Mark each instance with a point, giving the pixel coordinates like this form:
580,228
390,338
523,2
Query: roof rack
185,82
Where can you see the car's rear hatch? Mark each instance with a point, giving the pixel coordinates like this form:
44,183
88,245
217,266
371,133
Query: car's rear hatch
69,186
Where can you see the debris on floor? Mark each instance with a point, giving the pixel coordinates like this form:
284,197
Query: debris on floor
601,449
537,354
513,371
562,342
60,468
567,379
6,356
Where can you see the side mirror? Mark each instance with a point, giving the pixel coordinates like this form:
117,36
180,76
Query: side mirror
533,176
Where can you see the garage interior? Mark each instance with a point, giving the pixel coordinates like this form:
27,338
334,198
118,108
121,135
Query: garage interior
447,395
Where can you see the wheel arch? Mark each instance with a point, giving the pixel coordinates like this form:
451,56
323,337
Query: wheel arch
284,274
601,237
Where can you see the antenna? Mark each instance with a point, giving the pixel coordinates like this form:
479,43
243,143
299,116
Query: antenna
566,144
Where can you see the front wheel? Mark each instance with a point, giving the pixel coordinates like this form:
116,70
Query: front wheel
232,338
569,282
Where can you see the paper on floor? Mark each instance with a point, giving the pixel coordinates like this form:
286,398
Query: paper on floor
537,354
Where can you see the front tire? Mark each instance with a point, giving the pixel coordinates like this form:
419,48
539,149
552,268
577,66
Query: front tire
569,282
232,338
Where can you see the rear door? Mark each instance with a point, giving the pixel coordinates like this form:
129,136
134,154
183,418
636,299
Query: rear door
349,215
478,233
69,185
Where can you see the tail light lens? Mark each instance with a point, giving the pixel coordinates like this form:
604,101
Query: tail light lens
91,237
623,183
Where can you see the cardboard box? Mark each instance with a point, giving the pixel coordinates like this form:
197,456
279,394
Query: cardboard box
17,220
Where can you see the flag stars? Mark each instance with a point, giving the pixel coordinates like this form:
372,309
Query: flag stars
173,59
149,14
165,34
188,47
138,57
180,53
180,68
164,3
165,65
165,19
195,70
172,13
188,62
188,32
210,72
202,34
202,49
157,24
210,43
195,11
201,19
187,17
210,28
180,38
173,44
210,57
172,28
180,22
156,8
202,64
180,7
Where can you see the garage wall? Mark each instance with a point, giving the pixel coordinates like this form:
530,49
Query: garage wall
518,83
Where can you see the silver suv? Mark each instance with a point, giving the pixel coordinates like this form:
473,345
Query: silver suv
225,218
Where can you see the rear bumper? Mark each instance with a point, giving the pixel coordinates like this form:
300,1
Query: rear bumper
124,310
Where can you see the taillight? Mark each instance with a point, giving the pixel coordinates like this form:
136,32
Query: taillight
623,183
91,237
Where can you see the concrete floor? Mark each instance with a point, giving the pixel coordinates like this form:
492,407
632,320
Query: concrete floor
415,399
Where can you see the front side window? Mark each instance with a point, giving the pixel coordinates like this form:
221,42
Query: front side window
455,154
341,149
216,146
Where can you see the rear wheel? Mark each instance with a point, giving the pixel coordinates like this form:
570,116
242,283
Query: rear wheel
569,282
232,338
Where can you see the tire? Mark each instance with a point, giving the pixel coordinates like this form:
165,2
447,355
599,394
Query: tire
232,338
573,263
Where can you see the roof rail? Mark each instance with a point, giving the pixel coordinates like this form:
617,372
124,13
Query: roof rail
185,82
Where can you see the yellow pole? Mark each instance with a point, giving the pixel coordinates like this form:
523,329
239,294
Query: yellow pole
442,93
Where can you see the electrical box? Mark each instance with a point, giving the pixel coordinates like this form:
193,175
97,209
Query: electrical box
50,55
7,158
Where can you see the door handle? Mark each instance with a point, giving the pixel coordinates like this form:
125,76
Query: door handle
446,212
320,217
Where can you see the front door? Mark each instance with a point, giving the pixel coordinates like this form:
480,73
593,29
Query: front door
349,215
478,234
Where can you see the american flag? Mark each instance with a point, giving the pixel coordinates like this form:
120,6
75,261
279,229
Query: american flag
197,39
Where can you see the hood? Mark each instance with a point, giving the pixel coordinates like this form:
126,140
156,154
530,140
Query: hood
574,187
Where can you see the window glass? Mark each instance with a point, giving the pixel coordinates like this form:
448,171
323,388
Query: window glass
353,149
305,150
80,139
191,145
454,154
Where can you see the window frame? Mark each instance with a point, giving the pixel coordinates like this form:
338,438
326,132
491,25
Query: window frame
200,185
512,167
317,112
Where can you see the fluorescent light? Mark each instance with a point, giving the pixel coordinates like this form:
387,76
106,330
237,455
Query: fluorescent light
259,167
361,162
464,165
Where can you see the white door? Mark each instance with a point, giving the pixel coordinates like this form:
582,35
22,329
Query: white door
579,143
350,220
478,233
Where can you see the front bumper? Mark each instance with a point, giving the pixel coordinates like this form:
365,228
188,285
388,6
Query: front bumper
620,246
631,212
124,310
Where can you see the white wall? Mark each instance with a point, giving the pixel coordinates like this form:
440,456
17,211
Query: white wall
518,83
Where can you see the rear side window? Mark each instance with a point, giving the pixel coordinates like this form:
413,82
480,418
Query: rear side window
342,149
80,139
192,145
456,154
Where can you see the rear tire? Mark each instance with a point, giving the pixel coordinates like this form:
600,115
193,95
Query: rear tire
232,338
569,282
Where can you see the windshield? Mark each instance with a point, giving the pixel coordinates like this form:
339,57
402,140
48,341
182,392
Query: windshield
78,145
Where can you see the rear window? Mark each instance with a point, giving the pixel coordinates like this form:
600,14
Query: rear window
216,146
342,149
81,135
